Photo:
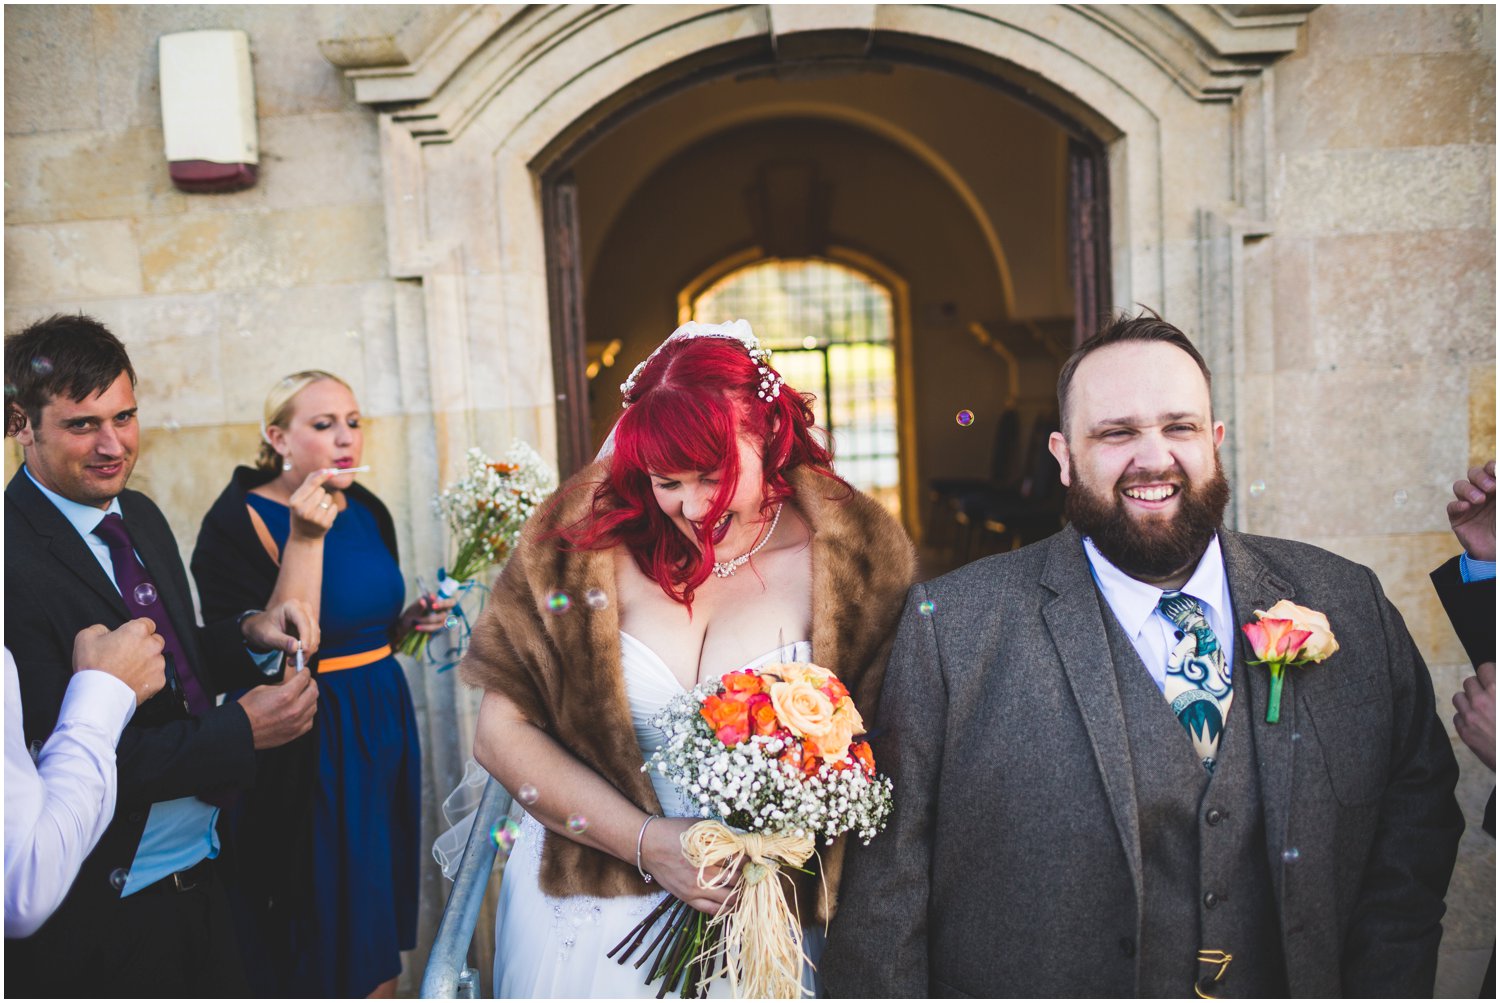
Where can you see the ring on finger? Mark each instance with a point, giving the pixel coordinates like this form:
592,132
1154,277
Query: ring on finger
325,504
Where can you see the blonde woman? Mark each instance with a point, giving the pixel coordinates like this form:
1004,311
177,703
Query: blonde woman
323,855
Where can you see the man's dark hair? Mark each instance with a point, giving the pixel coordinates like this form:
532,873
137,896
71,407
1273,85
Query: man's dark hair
1144,326
66,354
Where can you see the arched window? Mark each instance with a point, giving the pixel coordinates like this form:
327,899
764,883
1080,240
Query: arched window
830,328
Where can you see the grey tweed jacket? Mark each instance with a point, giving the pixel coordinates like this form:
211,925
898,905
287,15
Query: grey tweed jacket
1012,864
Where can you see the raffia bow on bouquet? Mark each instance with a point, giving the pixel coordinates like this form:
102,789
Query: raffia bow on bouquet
769,759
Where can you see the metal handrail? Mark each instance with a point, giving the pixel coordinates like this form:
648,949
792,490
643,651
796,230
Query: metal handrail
448,975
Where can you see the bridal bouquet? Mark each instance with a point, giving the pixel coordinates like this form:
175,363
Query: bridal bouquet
485,510
769,758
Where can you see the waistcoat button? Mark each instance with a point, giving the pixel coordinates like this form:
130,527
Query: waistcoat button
1215,816
1210,900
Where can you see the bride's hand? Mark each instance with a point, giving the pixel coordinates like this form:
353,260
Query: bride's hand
661,856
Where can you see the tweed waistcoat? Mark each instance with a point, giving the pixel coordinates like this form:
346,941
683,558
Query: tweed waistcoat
1206,881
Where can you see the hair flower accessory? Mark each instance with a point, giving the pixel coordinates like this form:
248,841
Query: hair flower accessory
737,330
1288,634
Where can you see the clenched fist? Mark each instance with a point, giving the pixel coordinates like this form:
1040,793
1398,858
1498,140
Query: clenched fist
131,653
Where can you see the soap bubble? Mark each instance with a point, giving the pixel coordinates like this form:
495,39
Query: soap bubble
171,424
596,598
964,417
1399,498
145,593
1291,855
577,824
504,834
451,622
926,606
558,601
1257,488
528,794
118,877
41,365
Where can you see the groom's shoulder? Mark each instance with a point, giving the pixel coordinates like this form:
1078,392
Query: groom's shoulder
1000,577
1295,560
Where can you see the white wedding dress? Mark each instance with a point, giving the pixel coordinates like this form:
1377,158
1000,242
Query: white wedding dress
556,947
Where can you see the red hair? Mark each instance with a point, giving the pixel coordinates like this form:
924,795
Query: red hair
688,408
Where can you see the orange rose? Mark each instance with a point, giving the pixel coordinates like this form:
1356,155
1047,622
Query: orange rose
729,719
865,755
740,686
762,715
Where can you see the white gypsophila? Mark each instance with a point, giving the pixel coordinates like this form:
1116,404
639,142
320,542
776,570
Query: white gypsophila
749,788
486,507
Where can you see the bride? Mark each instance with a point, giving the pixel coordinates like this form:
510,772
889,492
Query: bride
715,537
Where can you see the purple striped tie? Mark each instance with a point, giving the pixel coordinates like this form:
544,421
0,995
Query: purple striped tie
143,598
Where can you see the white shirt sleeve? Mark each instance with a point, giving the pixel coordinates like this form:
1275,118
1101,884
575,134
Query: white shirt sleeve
57,808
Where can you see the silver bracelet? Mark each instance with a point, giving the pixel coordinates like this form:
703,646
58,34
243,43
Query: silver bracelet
639,839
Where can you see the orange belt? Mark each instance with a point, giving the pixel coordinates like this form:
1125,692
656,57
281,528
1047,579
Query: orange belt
354,661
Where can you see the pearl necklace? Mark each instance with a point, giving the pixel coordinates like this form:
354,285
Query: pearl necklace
726,568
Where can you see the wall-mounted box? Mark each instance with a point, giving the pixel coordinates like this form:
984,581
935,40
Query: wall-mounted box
208,110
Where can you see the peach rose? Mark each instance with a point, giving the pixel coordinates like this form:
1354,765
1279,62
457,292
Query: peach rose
800,672
833,744
802,708
1321,643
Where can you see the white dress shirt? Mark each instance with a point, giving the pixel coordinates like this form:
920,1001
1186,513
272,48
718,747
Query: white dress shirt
57,808
1134,606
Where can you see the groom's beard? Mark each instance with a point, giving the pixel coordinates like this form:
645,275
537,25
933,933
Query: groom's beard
1141,546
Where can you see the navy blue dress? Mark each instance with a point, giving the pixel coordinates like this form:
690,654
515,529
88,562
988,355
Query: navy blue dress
367,804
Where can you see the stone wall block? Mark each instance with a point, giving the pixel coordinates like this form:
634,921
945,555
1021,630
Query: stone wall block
51,71
1352,31
83,260
1392,101
271,333
1367,451
1375,296
92,174
202,251
1370,191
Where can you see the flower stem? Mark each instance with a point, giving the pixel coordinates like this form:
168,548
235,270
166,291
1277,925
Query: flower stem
1273,704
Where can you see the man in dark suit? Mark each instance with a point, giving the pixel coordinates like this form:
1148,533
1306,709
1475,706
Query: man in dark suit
147,915
1090,799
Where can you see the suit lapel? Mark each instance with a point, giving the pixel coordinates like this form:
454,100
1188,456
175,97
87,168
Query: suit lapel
1074,616
63,541
1253,586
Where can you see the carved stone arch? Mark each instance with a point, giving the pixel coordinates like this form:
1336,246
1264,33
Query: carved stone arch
1174,93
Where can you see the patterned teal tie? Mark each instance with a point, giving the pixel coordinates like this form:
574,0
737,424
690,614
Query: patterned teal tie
1198,685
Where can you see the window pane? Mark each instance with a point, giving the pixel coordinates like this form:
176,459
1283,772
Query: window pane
830,329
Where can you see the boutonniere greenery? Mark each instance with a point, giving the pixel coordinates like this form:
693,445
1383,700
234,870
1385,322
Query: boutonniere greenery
1288,634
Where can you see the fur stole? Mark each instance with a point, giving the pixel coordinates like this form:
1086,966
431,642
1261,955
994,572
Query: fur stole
563,671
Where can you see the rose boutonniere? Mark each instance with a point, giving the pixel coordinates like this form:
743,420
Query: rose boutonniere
1288,634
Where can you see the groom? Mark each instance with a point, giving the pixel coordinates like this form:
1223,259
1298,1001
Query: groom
1089,798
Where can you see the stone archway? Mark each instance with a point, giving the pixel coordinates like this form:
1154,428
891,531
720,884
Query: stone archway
470,125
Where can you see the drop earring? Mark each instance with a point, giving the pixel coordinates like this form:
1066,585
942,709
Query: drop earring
286,463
